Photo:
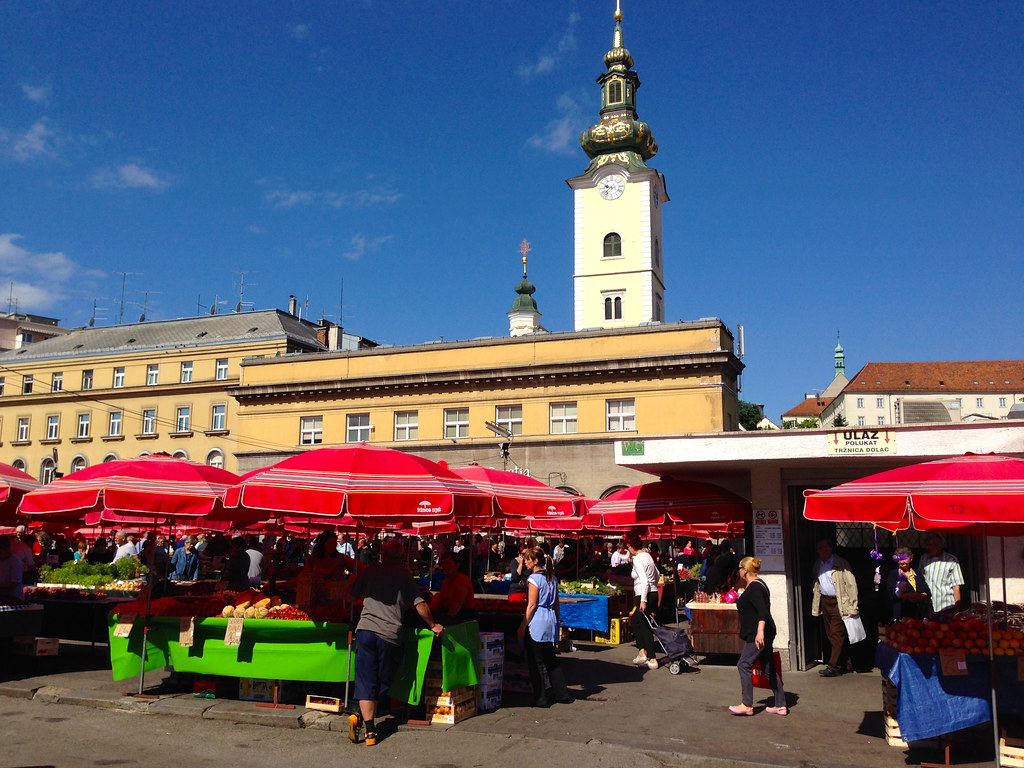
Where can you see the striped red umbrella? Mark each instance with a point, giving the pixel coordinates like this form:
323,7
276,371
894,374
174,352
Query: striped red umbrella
960,494
370,484
143,490
667,502
525,502
14,483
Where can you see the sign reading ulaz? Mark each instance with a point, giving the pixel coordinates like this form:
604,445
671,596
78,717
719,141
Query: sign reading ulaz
862,442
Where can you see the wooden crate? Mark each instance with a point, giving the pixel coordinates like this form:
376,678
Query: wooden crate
893,737
1011,751
324,703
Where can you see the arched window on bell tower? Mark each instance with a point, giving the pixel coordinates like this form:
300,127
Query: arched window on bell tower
613,306
614,91
612,246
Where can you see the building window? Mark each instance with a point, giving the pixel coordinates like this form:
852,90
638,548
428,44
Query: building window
881,420
612,246
357,428
659,312
83,425
407,425
222,369
510,417
621,415
152,374
49,468
657,253
979,402
456,422
613,307
26,384
184,420
18,464
218,418
57,382
311,430
860,402
87,379
114,424
186,372
879,402
23,429
77,463
52,427
3,381
563,418
113,456
118,378
1002,402
860,421
615,92
180,455
215,458
149,421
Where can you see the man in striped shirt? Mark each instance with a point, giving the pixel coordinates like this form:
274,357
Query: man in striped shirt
942,573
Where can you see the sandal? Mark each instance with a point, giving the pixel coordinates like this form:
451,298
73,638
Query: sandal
740,709
783,711
640,659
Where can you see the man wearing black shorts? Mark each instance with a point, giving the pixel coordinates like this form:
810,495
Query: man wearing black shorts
387,588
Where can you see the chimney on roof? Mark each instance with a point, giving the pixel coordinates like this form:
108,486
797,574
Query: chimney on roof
328,334
293,305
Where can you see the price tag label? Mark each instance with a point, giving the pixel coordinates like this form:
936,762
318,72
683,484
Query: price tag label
953,661
125,622
233,635
186,631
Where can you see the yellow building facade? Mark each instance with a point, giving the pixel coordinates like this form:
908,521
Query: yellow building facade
562,397
98,394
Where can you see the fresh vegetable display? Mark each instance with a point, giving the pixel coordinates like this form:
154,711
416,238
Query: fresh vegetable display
124,574
587,588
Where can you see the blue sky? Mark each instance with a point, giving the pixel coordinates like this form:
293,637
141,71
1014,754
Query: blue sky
832,167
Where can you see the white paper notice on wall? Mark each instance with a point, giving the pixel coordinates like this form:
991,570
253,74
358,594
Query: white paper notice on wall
768,539
233,634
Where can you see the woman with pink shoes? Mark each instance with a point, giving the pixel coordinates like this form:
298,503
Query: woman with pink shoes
758,631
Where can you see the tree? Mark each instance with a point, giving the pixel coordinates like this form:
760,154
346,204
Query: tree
808,424
750,415
839,421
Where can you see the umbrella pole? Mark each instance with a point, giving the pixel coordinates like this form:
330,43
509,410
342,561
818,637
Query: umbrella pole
149,600
991,651
1002,567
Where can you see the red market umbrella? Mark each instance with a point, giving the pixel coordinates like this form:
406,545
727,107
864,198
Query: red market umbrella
667,502
143,490
14,484
371,484
979,494
518,495
966,494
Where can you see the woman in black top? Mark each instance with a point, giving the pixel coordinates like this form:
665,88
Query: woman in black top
757,630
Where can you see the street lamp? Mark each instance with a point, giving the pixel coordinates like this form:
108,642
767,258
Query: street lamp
504,445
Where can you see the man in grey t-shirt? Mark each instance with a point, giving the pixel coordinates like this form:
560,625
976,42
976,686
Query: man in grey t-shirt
386,588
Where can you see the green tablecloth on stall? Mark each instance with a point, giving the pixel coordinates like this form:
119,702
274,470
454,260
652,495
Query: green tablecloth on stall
270,649
459,646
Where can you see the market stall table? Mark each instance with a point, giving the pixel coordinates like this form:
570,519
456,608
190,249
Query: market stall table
21,620
715,627
931,704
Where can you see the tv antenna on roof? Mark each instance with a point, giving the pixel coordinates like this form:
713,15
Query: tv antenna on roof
217,301
242,303
124,280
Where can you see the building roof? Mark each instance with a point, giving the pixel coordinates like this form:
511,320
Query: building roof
811,407
263,325
932,377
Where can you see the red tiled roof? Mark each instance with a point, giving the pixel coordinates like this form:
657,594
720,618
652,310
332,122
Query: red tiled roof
956,376
810,407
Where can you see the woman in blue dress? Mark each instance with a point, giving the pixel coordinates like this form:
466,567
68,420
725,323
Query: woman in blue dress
539,630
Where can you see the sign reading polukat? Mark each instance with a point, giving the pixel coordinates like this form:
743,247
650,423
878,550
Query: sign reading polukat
862,442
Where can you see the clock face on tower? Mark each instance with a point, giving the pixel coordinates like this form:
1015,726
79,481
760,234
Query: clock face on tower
611,186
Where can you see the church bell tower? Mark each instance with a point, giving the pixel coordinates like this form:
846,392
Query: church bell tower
618,277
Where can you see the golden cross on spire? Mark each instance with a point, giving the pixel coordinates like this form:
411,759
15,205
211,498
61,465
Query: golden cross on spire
524,248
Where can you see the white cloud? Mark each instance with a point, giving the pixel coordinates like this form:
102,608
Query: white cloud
38,141
128,176
360,245
298,31
282,196
40,280
560,135
37,94
255,229
553,53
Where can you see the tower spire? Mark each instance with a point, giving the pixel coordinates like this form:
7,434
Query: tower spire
619,137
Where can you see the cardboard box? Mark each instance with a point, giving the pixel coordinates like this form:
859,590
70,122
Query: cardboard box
258,689
490,643
452,715
450,698
36,646
491,670
489,700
